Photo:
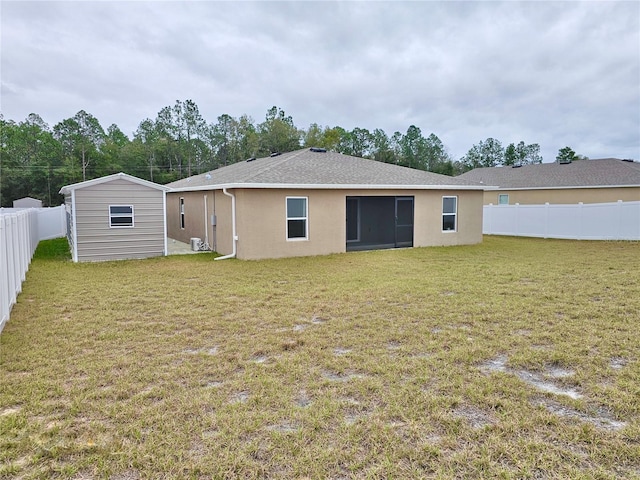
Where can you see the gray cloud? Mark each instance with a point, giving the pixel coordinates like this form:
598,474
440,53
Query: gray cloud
551,73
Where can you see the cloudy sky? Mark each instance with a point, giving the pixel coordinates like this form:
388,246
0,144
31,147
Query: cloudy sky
554,73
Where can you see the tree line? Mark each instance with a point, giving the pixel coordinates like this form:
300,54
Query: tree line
37,160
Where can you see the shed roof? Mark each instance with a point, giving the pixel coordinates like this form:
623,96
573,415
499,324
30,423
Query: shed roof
307,168
110,178
605,172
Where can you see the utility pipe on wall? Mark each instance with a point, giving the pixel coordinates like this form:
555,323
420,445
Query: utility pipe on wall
206,226
233,226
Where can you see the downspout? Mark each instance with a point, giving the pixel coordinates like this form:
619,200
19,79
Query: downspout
206,226
233,226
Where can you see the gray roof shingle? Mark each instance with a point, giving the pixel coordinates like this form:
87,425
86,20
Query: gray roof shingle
581,173
305,168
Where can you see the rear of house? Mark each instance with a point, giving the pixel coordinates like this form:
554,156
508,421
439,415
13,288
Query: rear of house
314,203
115,217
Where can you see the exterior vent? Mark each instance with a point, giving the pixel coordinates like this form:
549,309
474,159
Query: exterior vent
275,154
627,160
564,162
318,150
516,166
251,159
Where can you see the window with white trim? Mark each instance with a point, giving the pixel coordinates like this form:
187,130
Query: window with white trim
297,220
449,214
182,213
120,216
503,199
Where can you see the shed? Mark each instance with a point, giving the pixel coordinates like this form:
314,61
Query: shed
27,202
115,217
314,202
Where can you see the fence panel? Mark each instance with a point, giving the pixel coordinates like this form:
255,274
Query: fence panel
20,232
595,221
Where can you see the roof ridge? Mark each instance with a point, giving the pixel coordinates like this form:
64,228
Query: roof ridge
273,164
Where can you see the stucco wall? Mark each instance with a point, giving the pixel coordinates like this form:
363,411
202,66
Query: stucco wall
567,196
262,220
195,221
428,219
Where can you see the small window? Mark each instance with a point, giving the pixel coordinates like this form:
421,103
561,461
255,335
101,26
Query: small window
120,216
182,213
297,224
503,199
449,214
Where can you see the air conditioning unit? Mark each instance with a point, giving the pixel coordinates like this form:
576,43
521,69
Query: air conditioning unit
195,244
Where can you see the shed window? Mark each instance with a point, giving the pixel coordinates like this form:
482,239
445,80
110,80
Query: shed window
297,221
503,199
449,214
120,216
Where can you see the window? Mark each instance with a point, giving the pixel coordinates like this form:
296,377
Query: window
120,216
297,226
449,214
182,213
503,199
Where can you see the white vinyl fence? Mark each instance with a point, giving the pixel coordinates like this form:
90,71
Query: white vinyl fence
20,232
591,221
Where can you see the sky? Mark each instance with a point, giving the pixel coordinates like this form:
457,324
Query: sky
553,73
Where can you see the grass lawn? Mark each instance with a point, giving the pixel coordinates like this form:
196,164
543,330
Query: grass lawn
516,358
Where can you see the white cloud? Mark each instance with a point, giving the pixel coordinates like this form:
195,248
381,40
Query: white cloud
551,73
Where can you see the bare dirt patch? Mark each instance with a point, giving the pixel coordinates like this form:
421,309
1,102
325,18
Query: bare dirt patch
10,411
474,416
499,364
618,363
205,351
240,397
339,351
601,418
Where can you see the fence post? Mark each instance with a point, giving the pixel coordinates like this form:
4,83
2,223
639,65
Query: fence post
546,220
580,221
619,218
4,274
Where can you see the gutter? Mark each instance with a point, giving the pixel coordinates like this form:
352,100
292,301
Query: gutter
324,186
233,226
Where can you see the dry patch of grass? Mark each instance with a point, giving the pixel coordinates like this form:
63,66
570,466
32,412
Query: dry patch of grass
421,363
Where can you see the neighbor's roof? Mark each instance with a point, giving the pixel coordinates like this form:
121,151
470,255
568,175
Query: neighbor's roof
109,178
605,172
309,169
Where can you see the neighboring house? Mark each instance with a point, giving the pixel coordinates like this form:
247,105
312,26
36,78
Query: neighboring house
27,202
587,181
115,217
313,202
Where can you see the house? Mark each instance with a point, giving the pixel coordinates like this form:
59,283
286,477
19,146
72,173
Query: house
587,181
27,202
314,202
115,217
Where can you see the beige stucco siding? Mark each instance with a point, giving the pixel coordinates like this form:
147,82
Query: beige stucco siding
428,218
197,223
261,217
96,240
565,196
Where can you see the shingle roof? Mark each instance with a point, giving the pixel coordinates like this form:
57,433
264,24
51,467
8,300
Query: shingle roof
116,176
583,173
309,169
